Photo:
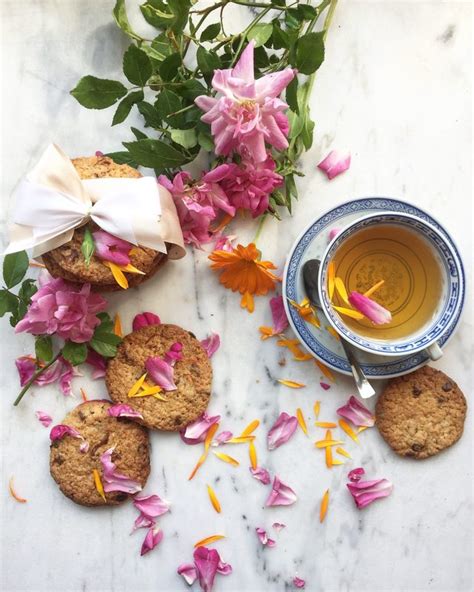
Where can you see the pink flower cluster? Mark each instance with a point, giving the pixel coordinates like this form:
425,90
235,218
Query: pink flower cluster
63,309
246,117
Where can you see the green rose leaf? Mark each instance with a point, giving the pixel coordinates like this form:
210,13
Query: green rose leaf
208,61
171,15
88,246
205,141
15,267
121,18
190,89
210,32
155,154
122,157
169,67
161,46
44,348
104,341
167,103
8,302
280,38
292,95
75,353
186,138
137,66
260,33
18,313
98,93
150,114
26,291
126,105
139,135
309,54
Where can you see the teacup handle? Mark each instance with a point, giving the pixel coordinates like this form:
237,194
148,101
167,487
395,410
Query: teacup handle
434,351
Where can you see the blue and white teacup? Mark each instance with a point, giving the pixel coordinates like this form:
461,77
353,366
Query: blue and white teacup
451,297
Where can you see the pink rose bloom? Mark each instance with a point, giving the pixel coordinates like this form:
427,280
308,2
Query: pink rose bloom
246,112
248,185
111,248
63,309
198,202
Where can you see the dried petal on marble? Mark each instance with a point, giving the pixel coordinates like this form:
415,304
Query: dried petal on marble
281,494
222,438
349,431
84,395
14,494
325,424
44,418
209,540
325,370
357,413
227,459
282,430
208,563
196,431
327,443
301,420
299,582
335,163
153,537
214,501
280,321
291,383
343,452
253,425
253,455
263,538
211,344
261,475
366,492
317,408
278,526
188,572
325,386
356,474
324,506
150,506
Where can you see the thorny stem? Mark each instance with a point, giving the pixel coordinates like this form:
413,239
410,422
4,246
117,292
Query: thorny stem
34,377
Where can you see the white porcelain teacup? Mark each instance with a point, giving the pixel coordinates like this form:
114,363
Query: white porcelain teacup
445,309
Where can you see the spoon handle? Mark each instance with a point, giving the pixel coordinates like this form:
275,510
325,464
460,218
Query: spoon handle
363,385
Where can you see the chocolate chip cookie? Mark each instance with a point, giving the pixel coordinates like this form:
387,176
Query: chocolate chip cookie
67,261
421,414
192,376
73,470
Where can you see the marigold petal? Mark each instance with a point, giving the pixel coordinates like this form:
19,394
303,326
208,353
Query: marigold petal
375,287
327,443
331,275
341,290
118,326
118,274
349,312
328,456
152,390
208,540
84,395
324,506
214,501
241,440
253,425
131,269
227,459
325,370
332,332
343,452
98,484
325,424
349,431
199,463
136,387
253,455
316,408
291,383
301,421
210,434
14,494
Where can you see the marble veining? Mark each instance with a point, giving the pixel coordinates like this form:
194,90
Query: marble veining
395,91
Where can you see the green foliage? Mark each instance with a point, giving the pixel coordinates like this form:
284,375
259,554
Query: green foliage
44,348
88,246
161,65
15,267
104,340
75,353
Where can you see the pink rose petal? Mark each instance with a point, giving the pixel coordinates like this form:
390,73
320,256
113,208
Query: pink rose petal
98,364
150,507
281,494
335,163
333,233
189,573
356,413
44,418
370,309
278,526
144,319
280,321
196,431
174,354
211,344
153,537
84,447
366,492
161,373
224,242
356,474
113,480
261,475
298,582
59,431
263,538
208,563
282,430
222,438
123,410
325,386
111,248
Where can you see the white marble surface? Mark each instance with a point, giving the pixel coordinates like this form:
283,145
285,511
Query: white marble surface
395,90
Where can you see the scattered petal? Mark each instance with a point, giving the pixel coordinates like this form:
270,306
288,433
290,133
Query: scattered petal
331,275
115,481
59,431
301,421
325,424
188,572
349,312
261,475
145,319
280,322
150,507
335,163
328,457
118,326
97,362
227,459
123,410
98,484
370,309
214,501
349,431
84,395
253,425
253,455
44,418
14,494
266,332
291,383
209,540
324,506
281,494
247,302
153,537
278,526
137,386
222,438
263,538
325,386
343,452
374,288
356,474
282,430
341,290
325,370
356,413
317,408
118,274
162,372
84,447
366,492
211,344
196,431
208,563
241,440
299,582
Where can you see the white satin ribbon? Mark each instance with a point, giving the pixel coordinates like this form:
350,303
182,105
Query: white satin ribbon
52,201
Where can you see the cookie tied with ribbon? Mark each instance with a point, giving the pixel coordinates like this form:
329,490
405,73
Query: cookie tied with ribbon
93,220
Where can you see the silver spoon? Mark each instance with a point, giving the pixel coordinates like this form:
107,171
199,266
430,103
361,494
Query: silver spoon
310,280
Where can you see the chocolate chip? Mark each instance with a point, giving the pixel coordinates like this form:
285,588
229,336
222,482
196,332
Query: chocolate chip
447,386
81,416
58,460
441,400
121,497
416,391
417,447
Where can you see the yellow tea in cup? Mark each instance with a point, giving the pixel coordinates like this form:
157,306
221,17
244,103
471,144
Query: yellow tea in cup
412,274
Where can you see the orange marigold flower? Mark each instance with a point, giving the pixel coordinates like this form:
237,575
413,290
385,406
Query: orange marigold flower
244,272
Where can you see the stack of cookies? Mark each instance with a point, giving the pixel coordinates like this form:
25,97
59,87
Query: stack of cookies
68,262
